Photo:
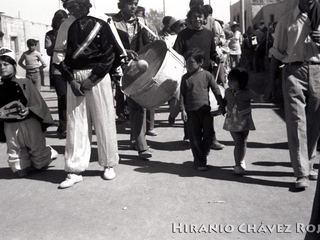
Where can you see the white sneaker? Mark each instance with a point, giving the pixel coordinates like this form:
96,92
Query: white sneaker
109,173
71,180
54,153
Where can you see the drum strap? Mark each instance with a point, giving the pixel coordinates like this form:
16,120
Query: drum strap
87,41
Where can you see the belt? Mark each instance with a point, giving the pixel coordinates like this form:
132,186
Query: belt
303,63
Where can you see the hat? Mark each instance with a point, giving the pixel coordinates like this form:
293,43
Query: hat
67,3
173,20
234,24
8,53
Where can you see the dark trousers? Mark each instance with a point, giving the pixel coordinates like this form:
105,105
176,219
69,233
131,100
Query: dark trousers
240,148
150,119
138,125
200,130
120,101
60,85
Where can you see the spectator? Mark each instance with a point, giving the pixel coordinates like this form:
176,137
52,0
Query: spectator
296,45
33,62
235,45
57,80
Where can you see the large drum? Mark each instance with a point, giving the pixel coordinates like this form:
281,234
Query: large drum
156,85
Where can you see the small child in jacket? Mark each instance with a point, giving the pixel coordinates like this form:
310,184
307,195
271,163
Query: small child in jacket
238,119
33,62
195,107
24,116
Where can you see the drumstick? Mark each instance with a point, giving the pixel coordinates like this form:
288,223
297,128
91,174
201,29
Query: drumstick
149,30
217,74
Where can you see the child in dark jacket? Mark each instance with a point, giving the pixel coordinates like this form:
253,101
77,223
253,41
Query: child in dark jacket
195,107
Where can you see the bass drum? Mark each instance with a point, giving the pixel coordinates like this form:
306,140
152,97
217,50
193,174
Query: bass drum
156,85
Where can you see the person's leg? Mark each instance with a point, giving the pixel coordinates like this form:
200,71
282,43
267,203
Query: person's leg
150,122
194,125
240,148
18,155
207,132
294,93
60,85
35,77
138,126
35,141
313,116
79,132
215,144
101,110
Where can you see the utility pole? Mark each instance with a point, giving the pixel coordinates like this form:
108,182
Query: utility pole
242,23
164,7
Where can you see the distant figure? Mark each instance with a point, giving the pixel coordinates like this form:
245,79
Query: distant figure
56,78
166,23
235,45
33,62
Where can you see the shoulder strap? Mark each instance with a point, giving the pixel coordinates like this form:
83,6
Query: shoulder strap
87,41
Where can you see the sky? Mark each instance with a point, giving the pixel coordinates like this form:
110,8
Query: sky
42,11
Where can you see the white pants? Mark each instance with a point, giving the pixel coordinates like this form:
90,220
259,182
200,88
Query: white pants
95,109
26,145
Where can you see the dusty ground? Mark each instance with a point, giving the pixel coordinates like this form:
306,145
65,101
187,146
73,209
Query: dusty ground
163,198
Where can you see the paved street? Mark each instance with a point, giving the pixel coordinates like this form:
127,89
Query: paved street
164,198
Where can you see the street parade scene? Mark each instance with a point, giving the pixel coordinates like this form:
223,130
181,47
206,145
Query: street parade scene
140,124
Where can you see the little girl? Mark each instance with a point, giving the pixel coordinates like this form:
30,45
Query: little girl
238,118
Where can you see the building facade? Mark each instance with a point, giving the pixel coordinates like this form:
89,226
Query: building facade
251,11
16,33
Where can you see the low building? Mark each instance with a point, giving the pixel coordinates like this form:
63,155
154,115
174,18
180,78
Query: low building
252,11
16,33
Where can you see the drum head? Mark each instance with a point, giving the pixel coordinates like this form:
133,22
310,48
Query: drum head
154,53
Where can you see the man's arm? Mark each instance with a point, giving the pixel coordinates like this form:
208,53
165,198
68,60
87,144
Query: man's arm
273,69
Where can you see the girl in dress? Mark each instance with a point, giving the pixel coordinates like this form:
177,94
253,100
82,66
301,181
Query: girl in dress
238,118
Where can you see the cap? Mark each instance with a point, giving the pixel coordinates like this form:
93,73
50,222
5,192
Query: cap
9,53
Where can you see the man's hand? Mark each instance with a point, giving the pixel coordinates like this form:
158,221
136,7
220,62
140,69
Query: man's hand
184,115
315,36
131,54
76,88
86,85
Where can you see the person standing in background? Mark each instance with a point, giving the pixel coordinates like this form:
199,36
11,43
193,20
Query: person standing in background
56,78
33,62
296,45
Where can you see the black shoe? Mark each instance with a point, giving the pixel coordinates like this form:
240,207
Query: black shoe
145,154
217,146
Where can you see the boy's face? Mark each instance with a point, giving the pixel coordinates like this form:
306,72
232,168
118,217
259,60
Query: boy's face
197,20
233,84
6,69
192,65
130,8
32,48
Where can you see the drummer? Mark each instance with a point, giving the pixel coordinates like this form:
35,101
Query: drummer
133,36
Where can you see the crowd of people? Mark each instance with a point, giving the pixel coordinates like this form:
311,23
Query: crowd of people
89,54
